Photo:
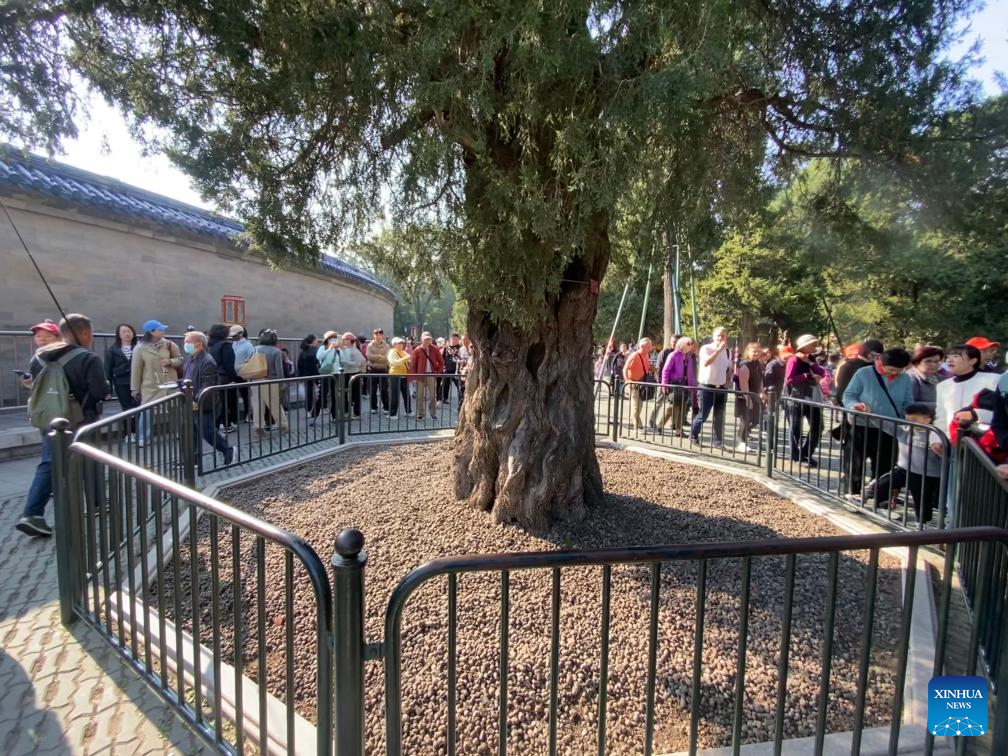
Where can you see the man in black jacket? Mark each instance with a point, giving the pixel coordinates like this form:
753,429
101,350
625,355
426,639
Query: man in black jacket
869,351
201,369
85,376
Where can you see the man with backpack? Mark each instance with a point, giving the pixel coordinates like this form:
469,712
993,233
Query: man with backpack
68,381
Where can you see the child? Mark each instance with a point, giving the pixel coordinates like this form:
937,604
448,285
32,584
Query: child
920,462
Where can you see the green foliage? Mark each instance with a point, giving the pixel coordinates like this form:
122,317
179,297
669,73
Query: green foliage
531,129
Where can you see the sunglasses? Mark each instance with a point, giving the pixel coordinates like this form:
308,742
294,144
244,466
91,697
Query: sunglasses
379,331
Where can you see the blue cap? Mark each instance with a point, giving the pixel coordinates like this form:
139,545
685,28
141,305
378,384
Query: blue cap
154,325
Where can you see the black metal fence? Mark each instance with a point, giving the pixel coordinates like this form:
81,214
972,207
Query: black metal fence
187,588
983,500
177,582
890,469
820,562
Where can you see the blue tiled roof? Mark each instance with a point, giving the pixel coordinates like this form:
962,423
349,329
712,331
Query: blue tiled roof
40,174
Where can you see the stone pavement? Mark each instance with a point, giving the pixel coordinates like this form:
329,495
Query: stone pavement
66,692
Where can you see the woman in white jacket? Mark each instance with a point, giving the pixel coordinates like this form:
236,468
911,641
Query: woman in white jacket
353,362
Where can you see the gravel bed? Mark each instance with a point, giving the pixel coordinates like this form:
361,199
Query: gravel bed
400,498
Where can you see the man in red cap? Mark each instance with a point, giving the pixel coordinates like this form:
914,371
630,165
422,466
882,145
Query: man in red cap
988,350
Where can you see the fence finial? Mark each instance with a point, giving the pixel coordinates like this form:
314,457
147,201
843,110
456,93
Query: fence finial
60,424
349,543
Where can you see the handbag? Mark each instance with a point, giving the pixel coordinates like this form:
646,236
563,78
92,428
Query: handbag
255,369
647,385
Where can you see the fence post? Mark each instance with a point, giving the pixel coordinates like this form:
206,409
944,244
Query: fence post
348,642
614,419
340,408
999,741
771,431
59,440
189,440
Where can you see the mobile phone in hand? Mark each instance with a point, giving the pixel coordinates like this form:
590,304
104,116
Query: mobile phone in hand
22,373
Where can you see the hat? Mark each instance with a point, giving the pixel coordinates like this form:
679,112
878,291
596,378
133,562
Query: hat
349,336
235,330
46,325
154,325
982,342
785,351
806,340
329,335
398,340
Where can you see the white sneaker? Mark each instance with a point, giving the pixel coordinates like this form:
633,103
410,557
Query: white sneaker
854,499
393,417
742,446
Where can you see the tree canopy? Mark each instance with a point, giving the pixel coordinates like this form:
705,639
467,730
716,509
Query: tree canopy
543,134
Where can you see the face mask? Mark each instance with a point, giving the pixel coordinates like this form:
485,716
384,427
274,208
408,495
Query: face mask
189,348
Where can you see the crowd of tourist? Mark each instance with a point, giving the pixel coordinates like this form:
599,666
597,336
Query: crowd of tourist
142,367
681,388
960,391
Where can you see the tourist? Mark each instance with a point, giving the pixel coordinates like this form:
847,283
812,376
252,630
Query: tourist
308,367
353,362
925,363
45,333
328,357
222,350
243,350
464,360
678,380
117,367
154,365
661,398
378,364
85,379
773,373
714,375
637,370
426,362
988,353
748,406
865,355
883,390
802,375
398,359
918,461
201,369
449,355
616,365
267,397
954,397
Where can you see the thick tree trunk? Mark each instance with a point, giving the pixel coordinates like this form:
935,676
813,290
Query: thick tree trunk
525,444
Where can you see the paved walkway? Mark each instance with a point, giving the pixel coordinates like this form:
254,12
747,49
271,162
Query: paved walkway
65,692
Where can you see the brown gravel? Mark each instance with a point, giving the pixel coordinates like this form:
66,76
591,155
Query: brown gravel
400,498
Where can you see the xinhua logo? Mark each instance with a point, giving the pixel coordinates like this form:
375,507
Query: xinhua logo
957,706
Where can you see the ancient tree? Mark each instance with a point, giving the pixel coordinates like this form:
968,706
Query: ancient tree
526,129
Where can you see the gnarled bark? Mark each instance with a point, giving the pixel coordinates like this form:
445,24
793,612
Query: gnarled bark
525,444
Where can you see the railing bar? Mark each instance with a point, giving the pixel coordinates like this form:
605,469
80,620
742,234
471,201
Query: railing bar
502,721
785,647
215,614
289,645
866,648
160,576
554,658
143,497
236,583
604,660
115,480
698,640
90,507
904,649
832,575
131,562
649,709
740,665
178,589
260,548
942,639
452,661
197,604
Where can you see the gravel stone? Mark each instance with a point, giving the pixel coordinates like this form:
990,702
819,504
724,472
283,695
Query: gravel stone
400,498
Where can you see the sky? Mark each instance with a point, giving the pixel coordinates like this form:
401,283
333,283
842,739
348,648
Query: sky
105,146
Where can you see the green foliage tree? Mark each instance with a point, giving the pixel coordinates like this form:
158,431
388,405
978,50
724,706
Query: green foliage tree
525,126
